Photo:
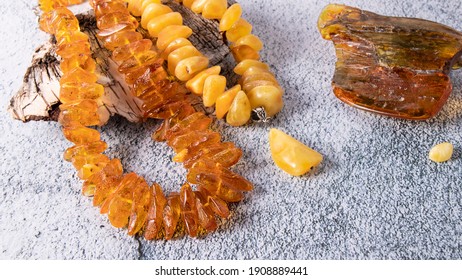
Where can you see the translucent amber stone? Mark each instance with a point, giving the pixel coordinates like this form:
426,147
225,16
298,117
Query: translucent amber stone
139,60
205,213
72,92
217,205
226,154
171,215
83,112
120,202
140,207
121,38
291,155
108,7
81,60
111,19
70,49
85,149
155,213
79,134
126,51
398,67
78,75
189,210
193,138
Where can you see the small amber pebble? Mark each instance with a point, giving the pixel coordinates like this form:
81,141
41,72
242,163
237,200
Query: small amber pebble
245,64
291,155
268,97
189,67
178,55
243,52
174,45
250,40
441,152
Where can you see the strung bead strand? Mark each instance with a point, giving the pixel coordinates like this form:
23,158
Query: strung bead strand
257,86
127,199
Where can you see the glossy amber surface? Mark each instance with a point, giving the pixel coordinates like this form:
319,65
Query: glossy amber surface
393,66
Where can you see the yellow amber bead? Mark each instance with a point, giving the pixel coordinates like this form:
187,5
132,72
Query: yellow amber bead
196,84
248,86
171,33
78,75
239,111
180,54
239,29
198,5
70,49
146,3
152,11
83,112
250,40
214,9
244,52
157,24
247,63
268,97
230,17
134,6
189,67
83,150
174,45
214,86
291,155
225,100
83,61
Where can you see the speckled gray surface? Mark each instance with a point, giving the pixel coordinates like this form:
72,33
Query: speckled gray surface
376,195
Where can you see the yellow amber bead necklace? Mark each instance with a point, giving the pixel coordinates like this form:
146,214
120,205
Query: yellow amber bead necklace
127,199
257,90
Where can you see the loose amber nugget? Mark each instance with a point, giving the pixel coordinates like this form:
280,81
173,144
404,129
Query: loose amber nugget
393,66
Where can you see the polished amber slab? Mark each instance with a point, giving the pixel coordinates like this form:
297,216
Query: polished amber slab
393,66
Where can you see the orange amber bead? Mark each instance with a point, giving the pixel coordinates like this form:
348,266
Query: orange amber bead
140,207
124,52
155,213
85,149
80,134
121,38
72,92
171,215
189,210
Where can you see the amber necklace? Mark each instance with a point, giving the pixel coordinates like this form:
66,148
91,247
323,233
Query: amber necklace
127,199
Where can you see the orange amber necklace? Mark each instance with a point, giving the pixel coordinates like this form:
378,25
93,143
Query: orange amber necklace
257,90
127,199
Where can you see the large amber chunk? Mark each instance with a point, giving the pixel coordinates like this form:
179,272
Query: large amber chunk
393,66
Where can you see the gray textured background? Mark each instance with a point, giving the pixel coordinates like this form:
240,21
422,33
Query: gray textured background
376,195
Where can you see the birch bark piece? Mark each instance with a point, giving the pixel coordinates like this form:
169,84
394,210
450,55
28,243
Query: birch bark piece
38,97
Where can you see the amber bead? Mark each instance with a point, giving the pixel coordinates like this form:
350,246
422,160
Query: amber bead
171,215
85,149
78,75
394,66
83,112
219,206
80,134
189,210
205,213
116,18
155,213
119,203
126,51
121,38
140,206
81,60
75,91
